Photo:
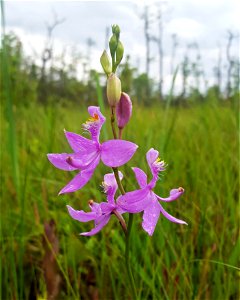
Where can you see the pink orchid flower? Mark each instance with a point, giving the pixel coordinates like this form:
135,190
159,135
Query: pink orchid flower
145,199
100,212
88,152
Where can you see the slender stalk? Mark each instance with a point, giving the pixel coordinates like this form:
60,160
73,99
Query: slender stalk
121,220
130,220
120,133
121,188
113,122
127,262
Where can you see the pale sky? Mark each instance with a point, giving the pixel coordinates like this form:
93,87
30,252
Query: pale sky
205,22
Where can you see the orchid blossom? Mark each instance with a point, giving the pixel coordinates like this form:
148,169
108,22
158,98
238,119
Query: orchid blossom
88,152
100,212
145,199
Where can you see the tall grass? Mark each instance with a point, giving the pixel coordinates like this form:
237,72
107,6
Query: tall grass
198,261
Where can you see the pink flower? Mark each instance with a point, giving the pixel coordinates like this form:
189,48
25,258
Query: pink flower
100,212
87,153
145,199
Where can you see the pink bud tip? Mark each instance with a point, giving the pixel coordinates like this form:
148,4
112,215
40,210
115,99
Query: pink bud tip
124,110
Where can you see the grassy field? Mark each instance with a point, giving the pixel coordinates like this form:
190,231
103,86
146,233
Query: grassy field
198,261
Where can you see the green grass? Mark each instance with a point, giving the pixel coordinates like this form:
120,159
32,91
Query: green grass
197,261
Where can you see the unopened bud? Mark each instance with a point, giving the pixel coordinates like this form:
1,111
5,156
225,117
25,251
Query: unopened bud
113,45
113,89
123,110
119,53
116,31
106,63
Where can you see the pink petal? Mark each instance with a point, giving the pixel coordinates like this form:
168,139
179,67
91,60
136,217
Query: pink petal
80,215
109,179
59,161
82,160
79,143
110,185
94,126
169,217
141,177
80,179
174,195
134,202
97,228
95,207
115,153
150,216
107,208
151,156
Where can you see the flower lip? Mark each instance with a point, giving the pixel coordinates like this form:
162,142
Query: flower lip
180,189
91,121
159,164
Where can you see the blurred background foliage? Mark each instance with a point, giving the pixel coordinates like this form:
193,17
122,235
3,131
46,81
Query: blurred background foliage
196,132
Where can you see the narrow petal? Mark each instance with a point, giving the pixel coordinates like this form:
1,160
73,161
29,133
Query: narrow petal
79,143
83,160
174,195
152,156
169,217
134,202
150,216
80,179
115,153
59,161
81,215
107,208
141,177
97,228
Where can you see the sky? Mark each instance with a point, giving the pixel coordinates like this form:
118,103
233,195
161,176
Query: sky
204,22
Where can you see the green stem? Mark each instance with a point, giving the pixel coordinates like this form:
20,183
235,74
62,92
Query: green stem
121,188
127,261
120,133
113,122
127,230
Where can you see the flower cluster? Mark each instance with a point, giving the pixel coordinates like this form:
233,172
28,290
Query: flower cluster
87,154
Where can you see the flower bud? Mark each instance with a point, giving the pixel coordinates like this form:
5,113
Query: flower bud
113,89
113,45
119,53
106,63
123,110
116,31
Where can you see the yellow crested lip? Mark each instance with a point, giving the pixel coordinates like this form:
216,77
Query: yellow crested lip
158,160
92,119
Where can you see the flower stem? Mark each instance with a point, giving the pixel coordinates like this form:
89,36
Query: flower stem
127,262
121,221
121,188
127,230
113,122
120,133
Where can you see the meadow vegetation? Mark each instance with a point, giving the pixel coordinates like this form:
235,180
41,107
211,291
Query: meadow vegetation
198,138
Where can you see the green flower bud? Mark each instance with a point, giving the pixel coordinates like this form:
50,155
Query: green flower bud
106,63
113,45
113,90
119,53
116,31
